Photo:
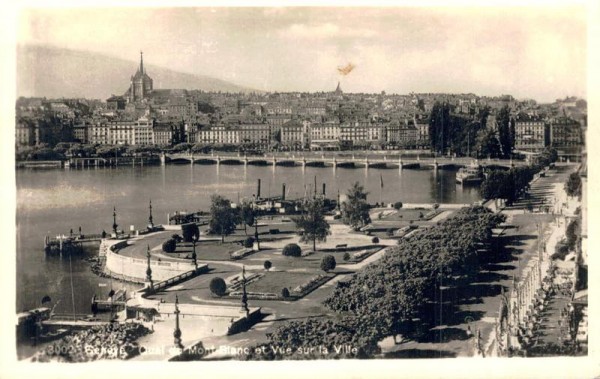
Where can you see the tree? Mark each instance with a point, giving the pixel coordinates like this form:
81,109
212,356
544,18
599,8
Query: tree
285,292
573,185
346,257
439,127
355,210
169,245
222,217
312,222
398,205
190,232
506,131
217,286
267,265
328,263
291,250
247,215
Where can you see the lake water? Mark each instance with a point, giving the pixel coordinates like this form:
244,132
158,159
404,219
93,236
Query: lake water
51,202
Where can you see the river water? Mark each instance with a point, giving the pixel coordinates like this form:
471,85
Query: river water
51,202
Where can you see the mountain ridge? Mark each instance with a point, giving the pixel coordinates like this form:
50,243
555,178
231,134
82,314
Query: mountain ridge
53,72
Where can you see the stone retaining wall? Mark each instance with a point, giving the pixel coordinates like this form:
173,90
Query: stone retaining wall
136,268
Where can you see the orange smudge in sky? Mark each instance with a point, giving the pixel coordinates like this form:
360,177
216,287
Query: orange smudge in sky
345,70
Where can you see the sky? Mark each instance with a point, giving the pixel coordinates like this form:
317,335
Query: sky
529,52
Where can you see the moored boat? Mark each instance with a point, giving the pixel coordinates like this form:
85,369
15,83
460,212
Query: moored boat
472,174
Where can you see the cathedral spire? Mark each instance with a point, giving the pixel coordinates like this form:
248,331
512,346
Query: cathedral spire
141,62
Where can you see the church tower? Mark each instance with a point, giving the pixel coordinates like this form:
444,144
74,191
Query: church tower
141,83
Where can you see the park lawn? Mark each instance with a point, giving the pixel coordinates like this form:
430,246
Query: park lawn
275,281
207,250
281,262
405,215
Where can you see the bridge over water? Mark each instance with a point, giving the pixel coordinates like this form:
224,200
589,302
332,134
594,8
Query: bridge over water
353,161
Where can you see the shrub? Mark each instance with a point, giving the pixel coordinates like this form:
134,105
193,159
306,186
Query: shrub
375,239
169,246
420,214
436,206
380,215
249,242
292,250
285,293
328,263
218,286
346,257
398,205
390,232
267,265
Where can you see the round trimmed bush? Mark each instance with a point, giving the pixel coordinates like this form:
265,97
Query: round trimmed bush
249,242
267,265
217,286
292,250
169,246
398,205
375,239
328,263
285,293
346,257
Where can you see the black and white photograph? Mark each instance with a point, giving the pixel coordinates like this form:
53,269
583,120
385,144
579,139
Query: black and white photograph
299,183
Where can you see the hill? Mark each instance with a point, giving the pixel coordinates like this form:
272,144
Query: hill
44,71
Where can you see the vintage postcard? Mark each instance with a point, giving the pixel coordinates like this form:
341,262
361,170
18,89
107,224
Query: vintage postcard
372,184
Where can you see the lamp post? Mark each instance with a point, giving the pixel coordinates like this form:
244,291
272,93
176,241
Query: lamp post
177,331
150,221
115,220
149,269
194,256
244,293
255,224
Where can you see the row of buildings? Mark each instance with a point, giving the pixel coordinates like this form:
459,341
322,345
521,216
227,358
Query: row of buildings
290,135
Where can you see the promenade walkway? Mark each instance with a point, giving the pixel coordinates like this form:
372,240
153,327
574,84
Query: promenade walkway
476,305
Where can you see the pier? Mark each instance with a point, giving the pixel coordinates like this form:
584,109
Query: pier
66,244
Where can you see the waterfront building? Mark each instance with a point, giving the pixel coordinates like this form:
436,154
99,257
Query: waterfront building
99,132
325,135
376,134
354,133
422,132
257,134
163,133
401,133
292,134
27,132
530,135
566,137
218,135
129,132
190,130
141,84
80,132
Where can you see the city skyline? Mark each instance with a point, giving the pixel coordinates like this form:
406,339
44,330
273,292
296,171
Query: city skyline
397,50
